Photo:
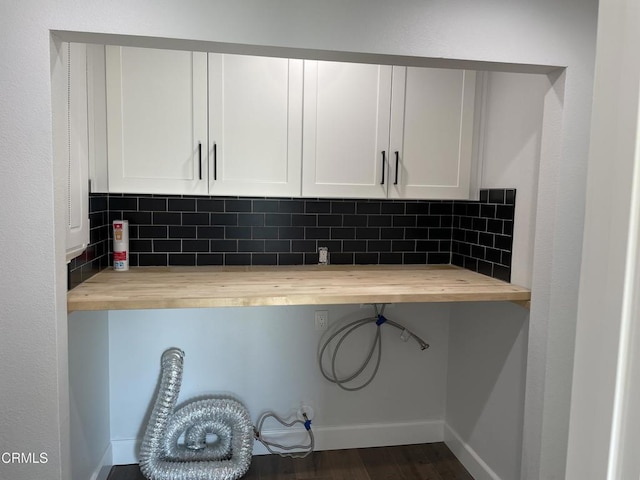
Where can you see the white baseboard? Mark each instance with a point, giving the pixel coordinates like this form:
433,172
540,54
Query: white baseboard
361,436
125,452
101,472
326,438
478,469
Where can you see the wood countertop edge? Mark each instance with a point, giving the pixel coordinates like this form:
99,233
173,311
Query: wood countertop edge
149,304
110,298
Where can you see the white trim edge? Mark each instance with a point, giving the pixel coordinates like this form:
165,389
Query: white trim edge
101,472
468,456
326,438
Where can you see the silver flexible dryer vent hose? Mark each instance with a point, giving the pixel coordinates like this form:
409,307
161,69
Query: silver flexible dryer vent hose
163,458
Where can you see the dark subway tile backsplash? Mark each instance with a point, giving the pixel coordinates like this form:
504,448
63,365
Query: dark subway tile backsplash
482,236
96,256
175,230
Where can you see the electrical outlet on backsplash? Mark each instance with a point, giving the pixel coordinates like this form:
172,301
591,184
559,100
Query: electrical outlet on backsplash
182,230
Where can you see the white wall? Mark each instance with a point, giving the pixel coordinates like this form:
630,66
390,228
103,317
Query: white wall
510,156
89,392
488,342
34,322
605,422
486,387
267,357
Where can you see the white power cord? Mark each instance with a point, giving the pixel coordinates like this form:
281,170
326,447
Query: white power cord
282,450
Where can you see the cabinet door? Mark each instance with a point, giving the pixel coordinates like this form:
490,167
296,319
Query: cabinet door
431,133
156,120
77,238
346,129
255,125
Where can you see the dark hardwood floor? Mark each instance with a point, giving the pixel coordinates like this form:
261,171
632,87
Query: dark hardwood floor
433,461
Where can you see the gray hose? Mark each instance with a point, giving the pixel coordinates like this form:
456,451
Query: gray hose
376,345
162,458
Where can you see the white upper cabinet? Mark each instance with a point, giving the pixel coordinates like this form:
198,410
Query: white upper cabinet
156,120
255,125
379,131
196,123
346,129
431,133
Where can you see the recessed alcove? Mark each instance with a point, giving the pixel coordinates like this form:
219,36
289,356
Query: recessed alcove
460,391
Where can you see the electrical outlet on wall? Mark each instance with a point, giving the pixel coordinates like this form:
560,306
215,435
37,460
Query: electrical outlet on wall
322,319
323,255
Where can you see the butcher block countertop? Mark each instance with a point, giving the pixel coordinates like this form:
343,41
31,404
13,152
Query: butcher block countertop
189,287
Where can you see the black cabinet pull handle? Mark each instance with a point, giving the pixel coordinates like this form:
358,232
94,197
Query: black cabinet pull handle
383,162
200,160
215,161
397,161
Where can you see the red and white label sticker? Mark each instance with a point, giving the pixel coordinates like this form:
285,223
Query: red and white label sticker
119,256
